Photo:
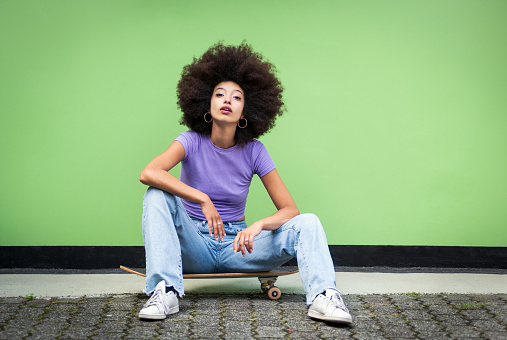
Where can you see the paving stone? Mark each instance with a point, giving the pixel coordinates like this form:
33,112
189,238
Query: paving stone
238,315
8,308
451,319
173,335
237,326
107,336
432,300
203,301
433,335
384,310
111,327
501,318
495,335
462,332
270,332
114,316
303,335
271,321
180,316
44,336
441,309
121,306
207,332
417,315
425,326
376,300
63,306
14,333
335,331
141,333
208,311
458,298
300,325
398,331
45,326
238,335
488,325
366,326
78,332
367,336
28,312
497,309
206,319
395,320
175,326
476,314
12,300
21,322
81,320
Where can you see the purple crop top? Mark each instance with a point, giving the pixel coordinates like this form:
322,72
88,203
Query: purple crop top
223,174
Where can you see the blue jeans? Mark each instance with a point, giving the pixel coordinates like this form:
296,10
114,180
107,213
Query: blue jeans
176,243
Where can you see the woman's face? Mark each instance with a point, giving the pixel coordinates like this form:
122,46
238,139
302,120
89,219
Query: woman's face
227,102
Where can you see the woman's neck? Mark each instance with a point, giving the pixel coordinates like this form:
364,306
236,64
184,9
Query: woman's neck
223,137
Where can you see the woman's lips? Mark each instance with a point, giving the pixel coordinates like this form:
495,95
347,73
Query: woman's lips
225,109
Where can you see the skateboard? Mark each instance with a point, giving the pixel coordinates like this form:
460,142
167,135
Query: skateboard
267,279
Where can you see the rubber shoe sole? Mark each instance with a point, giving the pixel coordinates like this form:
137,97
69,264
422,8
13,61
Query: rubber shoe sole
320,316
172,310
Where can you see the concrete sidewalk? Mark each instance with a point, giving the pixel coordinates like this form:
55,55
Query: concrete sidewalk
350,282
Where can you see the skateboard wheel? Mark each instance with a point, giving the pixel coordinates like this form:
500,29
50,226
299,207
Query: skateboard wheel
274,293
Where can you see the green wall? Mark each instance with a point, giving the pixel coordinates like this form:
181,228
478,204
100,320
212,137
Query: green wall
395,131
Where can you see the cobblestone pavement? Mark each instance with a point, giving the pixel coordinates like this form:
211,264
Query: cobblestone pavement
253,316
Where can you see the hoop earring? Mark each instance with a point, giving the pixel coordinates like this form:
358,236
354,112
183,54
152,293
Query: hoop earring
246,123
210,120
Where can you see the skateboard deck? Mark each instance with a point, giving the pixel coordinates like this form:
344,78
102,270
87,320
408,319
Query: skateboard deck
267,279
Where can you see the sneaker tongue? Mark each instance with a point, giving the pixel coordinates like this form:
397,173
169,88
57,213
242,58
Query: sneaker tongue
330,292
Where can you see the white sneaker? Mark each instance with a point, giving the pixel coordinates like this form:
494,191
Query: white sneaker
329,306
160,304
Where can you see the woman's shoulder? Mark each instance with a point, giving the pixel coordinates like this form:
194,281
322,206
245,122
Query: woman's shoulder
255,145
256,149
191,141
190,136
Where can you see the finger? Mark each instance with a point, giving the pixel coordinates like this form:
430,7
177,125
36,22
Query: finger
221,229
215,231
235,243
242,248
249,244
242,245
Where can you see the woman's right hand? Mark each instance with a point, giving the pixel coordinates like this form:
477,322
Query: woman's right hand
215,223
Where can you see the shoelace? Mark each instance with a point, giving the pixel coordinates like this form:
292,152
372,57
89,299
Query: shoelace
337,301
156,300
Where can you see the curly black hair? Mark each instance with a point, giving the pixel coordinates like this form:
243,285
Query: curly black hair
240,64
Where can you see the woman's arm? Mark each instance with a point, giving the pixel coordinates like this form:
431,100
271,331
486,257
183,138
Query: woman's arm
156,174
286,209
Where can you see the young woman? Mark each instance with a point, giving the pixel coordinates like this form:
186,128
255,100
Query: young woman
196,224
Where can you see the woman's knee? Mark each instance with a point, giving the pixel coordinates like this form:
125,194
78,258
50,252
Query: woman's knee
308,221
308,218
156,197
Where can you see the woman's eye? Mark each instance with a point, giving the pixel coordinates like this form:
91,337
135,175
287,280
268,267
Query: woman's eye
219,95
237,98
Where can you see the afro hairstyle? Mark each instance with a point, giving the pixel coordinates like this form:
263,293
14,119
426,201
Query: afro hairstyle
239,64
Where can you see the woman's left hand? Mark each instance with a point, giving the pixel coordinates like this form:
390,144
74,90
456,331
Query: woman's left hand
244,239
